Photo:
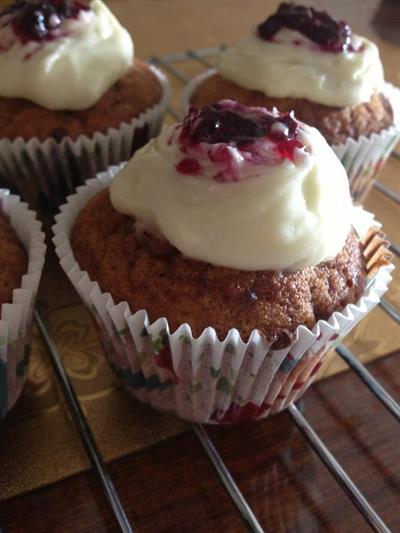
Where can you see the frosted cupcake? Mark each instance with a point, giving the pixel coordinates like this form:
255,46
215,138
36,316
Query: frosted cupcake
302,59
22,254
234,257
73,99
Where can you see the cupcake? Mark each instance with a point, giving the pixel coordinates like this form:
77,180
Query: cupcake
73,99
22,254
303,60
222,262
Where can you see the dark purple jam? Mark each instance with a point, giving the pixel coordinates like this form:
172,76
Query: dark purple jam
238,125
330,35
37,20
189,165
210,133
216,124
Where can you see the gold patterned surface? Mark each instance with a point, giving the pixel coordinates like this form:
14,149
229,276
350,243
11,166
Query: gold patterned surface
38,441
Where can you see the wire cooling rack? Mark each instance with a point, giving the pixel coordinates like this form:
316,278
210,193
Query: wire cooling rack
170,63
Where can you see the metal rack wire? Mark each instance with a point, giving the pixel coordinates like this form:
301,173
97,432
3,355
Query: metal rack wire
168,62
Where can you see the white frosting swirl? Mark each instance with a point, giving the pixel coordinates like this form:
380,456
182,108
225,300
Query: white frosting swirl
287,217
293,66
74,70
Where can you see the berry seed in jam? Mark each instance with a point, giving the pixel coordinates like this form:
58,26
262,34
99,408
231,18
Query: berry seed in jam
228,136
38,20
329,34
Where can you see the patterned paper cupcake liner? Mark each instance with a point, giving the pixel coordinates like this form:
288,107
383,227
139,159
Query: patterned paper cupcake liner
45,172
362,158
16,317
206,379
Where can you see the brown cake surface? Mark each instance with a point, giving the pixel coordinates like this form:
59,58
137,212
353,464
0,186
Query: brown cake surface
335,123
150,274
13,261
138,90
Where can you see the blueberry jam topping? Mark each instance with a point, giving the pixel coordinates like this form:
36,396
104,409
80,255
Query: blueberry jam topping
239,124
226,134
329,34
39,20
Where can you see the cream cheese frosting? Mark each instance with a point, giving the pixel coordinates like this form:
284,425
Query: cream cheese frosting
72,71
283,215
291,65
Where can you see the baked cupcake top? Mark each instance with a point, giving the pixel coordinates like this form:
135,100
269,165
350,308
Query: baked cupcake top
239,187
304,53
61,54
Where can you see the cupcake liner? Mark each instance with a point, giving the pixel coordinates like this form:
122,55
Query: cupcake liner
47,171
206,379
362,158
16,317
192,85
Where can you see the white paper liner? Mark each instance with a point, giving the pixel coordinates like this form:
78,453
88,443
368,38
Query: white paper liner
47,171
192,85
16,317
362,158
206,380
